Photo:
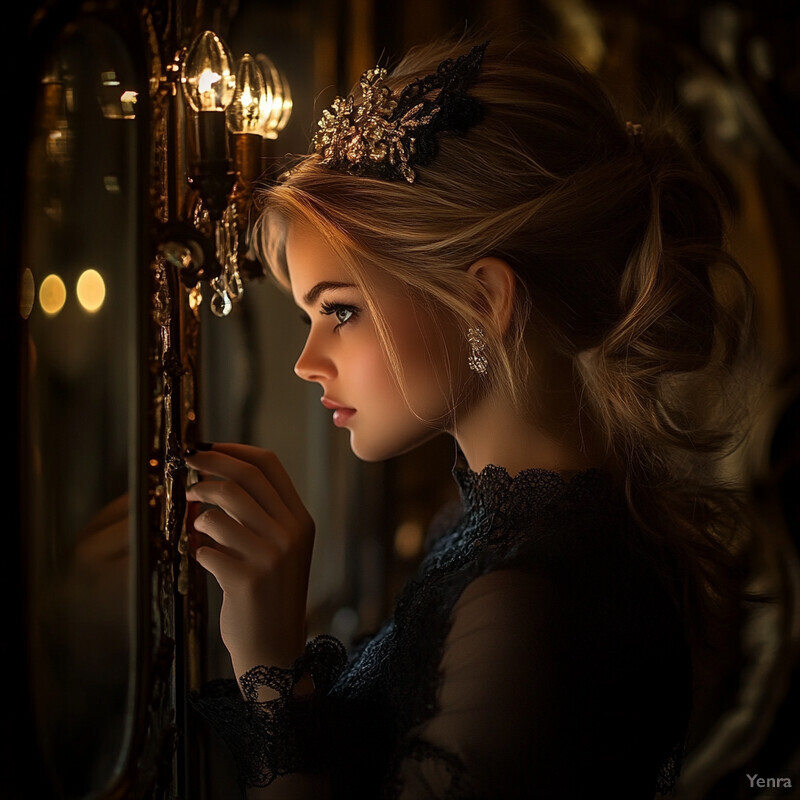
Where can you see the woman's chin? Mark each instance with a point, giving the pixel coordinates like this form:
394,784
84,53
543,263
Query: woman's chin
372,450
369,452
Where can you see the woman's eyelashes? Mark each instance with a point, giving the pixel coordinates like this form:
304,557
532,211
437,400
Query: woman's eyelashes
342,312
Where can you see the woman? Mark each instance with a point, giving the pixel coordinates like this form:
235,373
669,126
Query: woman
483,247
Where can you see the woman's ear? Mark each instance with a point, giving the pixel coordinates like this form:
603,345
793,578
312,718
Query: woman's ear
499,288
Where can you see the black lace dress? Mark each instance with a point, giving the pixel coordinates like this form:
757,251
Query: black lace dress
535,654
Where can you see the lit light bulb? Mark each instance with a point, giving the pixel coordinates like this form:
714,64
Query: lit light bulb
281,109
52,295
250,108
206,75
91,290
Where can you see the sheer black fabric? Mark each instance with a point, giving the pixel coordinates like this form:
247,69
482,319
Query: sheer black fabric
535,653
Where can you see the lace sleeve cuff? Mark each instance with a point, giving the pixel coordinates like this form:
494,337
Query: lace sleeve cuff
279,736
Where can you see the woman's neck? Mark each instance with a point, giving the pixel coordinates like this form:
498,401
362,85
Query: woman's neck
558,438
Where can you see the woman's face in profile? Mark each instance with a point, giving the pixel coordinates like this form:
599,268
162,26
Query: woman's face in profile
343,352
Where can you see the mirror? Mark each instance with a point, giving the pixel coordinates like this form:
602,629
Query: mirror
80,389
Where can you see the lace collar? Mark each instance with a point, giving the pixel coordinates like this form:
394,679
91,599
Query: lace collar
493,490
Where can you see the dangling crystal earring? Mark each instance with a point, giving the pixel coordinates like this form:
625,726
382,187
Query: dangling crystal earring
477,344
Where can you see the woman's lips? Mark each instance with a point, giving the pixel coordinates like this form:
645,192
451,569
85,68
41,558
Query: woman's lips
342,416
341,413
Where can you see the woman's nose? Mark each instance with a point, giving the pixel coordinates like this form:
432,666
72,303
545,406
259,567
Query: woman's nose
313,365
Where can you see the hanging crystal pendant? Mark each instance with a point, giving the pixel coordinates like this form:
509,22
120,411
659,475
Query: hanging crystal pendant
227,288
221,304
233,279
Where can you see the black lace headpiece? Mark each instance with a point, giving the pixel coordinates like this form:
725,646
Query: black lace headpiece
386,134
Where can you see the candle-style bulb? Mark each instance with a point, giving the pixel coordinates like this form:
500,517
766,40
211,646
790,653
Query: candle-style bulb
252,100
281,107
207,74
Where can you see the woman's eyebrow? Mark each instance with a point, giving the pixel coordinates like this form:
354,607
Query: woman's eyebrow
312,294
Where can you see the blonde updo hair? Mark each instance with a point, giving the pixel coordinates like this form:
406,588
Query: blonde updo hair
617,244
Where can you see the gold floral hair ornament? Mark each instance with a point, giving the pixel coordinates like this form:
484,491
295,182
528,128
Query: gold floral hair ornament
386,134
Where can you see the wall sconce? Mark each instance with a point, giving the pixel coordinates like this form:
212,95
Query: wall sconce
246,106
248,117
209,85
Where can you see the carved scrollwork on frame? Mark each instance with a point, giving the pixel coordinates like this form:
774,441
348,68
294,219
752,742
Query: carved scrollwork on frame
178,595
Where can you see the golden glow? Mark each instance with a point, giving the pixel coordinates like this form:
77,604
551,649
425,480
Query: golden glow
91,290
281,106
52,295
27,293
409,539
281,111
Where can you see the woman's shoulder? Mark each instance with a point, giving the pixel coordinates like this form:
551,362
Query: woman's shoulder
564,563
598,585
558,553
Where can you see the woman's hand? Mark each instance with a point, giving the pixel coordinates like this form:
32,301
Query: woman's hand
257,541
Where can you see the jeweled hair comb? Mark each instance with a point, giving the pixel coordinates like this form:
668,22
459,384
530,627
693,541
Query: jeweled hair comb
385,134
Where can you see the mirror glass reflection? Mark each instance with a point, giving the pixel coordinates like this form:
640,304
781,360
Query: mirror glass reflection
79,300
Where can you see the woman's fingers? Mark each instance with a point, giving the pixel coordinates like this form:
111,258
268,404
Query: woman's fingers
250,518
256,538
236,473
268,465
261,475
238,504
232,554
225,566
215,528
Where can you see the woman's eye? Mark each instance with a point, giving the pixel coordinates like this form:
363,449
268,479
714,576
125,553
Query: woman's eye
343,314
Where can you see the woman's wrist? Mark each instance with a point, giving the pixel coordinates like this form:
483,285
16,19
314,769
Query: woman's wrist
315,669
